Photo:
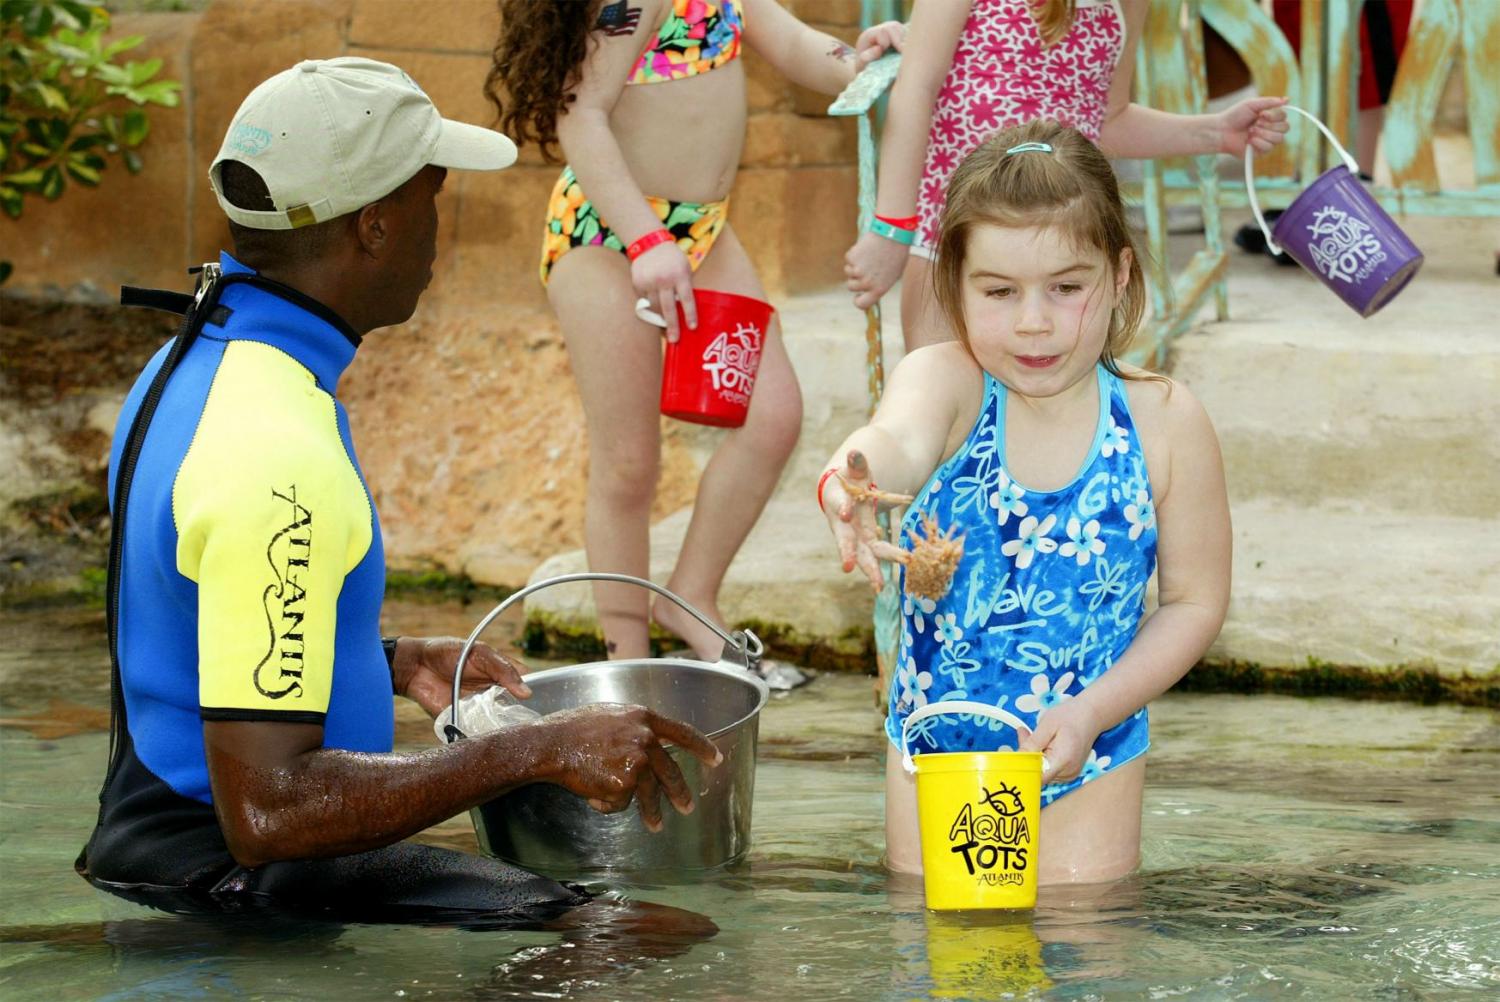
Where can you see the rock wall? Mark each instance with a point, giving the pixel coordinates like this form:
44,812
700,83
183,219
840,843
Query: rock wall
469,428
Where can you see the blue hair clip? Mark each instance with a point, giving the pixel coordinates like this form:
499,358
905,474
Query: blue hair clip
1030,148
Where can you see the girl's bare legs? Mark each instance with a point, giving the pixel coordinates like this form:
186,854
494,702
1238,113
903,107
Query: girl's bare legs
903,839
616,361
1090,836
744,468
922,322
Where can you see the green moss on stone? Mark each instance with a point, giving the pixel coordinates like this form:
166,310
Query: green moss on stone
442,586
1321,678
853,651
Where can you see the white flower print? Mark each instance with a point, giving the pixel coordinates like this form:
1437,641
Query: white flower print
972,491
945,627
913,685
1109,580
955,664
1116,440
1141,515
1094,767
916,608
1043,696
1083,541
1031,541
1007,499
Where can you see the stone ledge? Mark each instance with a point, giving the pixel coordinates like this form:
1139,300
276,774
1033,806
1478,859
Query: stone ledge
785,584
1368,590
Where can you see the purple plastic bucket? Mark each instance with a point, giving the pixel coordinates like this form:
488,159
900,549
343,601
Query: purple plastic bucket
1336,230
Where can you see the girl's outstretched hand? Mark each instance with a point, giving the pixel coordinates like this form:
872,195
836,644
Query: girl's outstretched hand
1064,735
871,267
874,41
850,501
1259,122
664,276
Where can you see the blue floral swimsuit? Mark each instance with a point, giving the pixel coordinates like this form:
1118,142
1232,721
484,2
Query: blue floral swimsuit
1048,595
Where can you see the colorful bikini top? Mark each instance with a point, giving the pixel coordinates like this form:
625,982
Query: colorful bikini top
698,36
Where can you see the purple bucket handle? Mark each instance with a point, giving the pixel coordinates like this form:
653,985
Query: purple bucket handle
1349,162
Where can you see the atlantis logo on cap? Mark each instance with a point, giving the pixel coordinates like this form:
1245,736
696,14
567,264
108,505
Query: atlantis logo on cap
249,140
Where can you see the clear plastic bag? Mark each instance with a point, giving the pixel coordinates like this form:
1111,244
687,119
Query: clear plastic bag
485,712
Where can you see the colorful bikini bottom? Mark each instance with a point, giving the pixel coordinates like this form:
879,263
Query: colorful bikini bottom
572,221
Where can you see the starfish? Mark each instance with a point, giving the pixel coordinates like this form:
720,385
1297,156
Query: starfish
932,560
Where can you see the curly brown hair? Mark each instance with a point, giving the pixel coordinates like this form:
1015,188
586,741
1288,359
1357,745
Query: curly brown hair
536,63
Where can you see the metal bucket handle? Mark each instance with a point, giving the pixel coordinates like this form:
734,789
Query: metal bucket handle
1250,173
741,649
949,706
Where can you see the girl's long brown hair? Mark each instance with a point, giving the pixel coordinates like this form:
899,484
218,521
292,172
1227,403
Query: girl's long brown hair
1071,189
536,62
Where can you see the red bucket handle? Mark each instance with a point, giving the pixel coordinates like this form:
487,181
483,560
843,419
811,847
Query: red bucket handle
1250,173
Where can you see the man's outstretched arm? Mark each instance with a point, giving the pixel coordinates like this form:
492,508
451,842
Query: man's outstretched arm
279,794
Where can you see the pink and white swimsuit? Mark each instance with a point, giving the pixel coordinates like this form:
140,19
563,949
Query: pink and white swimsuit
1002,75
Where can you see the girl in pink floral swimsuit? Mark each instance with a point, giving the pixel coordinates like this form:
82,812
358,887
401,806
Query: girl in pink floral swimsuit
973,67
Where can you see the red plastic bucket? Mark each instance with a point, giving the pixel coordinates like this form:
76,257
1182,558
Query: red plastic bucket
709,372
1336,230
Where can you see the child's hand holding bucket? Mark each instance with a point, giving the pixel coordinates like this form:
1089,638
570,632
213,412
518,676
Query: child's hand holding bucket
1064,735
662,275
1258,122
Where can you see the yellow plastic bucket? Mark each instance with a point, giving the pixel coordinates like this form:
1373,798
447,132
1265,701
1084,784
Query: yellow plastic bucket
980,815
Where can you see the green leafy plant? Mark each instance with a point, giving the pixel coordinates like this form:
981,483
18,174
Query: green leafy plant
66,104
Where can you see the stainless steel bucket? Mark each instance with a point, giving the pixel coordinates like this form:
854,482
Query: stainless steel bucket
544,827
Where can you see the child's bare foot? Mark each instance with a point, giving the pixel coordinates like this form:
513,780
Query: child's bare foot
671,617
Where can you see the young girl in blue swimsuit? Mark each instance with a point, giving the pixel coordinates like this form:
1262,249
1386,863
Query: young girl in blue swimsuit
647,99
1071,476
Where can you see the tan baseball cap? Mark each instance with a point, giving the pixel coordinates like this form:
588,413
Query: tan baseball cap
330,136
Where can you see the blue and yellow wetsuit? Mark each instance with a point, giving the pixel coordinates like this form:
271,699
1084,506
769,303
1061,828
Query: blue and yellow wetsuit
249,585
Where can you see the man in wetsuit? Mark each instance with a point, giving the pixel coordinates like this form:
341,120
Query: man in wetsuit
251,763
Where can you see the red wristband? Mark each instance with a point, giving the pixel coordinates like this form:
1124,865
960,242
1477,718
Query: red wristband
821,481
901,223
647,242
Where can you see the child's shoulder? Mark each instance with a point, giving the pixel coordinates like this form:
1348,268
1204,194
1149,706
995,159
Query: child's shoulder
1156,395
1162,408
946,360
943,374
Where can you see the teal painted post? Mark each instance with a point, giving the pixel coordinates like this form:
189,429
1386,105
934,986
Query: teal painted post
858,99
1481,38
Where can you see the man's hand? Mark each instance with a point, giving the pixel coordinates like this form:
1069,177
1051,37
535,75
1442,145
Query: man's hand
423,671
1064,735
608,754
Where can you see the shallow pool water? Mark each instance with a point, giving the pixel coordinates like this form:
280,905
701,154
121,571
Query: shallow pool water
1294,849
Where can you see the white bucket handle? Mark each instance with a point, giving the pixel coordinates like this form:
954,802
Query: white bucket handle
1250,174
948,706
644,311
